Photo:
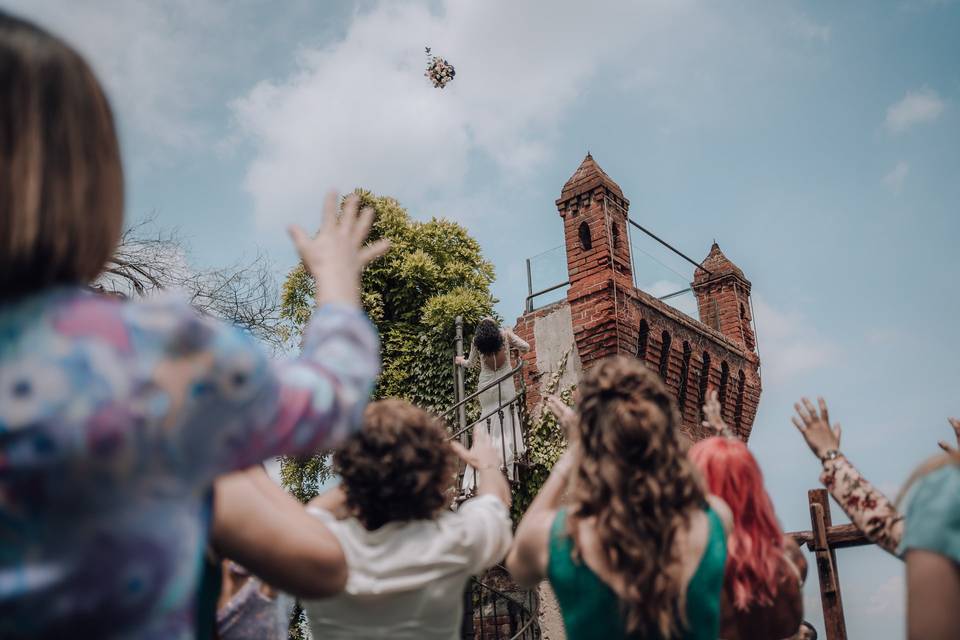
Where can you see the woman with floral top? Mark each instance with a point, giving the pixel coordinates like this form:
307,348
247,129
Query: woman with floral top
115,417
871,511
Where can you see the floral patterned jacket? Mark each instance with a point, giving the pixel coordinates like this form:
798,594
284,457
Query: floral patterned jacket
866,507
115,417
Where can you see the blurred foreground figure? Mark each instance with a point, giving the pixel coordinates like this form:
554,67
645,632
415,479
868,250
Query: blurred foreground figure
409,557
763,583
639,550
115,416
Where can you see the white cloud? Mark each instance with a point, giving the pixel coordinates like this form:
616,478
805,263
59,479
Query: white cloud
789,343
358,111
896,177
916,107
143,54
164,64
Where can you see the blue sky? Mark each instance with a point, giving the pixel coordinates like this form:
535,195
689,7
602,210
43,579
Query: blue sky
818,143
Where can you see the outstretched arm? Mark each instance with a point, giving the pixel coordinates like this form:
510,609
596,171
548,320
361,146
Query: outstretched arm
528,557
530,553
260,526
516,341
229,406
470,360
933,590
868,509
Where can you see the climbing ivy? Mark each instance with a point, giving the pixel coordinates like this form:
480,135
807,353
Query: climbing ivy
546,442
433,272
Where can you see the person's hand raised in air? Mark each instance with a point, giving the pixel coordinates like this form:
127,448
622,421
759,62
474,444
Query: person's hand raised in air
955,423
336,255
713,421
815,427
482,454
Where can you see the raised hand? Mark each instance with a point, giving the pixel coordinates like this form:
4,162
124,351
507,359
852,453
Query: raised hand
482,454
713,418
955,423
460,361
336,255
815,427
566,416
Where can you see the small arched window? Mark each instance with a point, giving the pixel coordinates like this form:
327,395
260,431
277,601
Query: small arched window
664,355
738,409
724,382
704,381
642,339
586,242
684,376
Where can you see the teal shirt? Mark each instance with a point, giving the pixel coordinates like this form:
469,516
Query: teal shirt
933,514
591,609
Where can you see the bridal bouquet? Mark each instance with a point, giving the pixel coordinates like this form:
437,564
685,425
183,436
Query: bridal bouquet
439,71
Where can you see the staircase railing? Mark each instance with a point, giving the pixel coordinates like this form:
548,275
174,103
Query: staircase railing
489,613
500,616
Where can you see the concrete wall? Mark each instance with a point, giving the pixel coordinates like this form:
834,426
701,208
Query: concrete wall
550,334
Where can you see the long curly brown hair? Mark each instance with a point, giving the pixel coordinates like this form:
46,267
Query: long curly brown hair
636,481
399,467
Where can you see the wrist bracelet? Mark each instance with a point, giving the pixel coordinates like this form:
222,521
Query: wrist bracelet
831,454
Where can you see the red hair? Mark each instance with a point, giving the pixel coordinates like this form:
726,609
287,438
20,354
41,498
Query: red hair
755,547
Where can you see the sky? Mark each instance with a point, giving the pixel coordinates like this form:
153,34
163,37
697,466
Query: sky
818,143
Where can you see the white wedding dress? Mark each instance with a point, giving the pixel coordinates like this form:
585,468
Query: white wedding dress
505,434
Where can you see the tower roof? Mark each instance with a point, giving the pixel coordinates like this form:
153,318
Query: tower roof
716,264
587,177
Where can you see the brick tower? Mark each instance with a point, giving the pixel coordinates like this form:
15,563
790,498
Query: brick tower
604,314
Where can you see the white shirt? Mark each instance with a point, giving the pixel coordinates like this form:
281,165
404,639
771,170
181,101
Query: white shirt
406,579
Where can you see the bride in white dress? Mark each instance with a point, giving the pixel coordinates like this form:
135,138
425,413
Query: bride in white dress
491,349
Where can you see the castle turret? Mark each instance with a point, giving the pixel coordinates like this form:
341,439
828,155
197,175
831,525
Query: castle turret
594,214
723,298
604,314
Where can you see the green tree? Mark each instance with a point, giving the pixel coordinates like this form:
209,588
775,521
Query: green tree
434,272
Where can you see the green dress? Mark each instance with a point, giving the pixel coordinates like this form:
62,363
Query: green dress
591,609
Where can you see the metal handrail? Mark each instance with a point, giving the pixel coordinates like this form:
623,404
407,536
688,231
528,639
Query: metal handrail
489,385
675,294
528,303
522,631
523,609
499,408
669,246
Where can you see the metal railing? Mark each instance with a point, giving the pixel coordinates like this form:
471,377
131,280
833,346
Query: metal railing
528,303
488,612
491,614
509,412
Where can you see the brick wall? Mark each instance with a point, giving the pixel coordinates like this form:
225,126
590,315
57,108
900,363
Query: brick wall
608,316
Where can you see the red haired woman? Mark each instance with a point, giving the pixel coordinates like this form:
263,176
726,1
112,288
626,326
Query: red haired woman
763,585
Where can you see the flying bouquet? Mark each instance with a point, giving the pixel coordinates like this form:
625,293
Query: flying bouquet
439,71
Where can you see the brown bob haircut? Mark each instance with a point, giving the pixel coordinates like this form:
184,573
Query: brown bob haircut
399,467
61,181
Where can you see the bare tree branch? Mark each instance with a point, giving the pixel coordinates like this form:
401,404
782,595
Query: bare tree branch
149,259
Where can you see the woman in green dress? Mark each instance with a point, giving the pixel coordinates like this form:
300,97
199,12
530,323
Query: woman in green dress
638,549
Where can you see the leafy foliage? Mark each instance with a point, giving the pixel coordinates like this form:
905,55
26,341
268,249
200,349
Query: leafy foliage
433,273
